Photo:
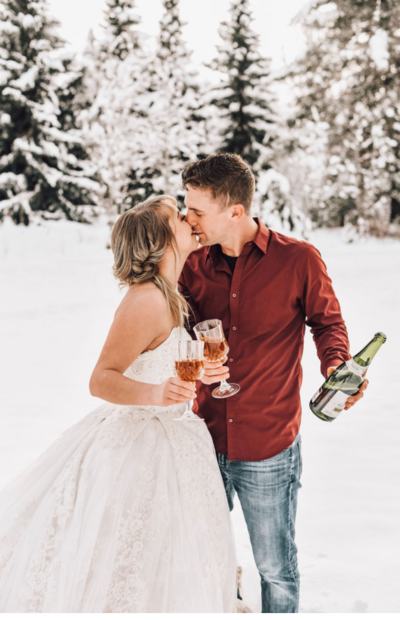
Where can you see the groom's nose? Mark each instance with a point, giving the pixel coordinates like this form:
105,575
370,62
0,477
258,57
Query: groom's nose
188,218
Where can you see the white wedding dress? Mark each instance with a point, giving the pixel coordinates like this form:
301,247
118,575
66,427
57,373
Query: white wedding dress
125,512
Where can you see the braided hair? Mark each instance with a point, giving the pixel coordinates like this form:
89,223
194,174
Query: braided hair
139,240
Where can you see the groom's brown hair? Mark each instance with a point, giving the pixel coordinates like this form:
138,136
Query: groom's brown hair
227,176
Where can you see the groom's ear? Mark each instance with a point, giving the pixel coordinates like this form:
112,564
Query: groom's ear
237,211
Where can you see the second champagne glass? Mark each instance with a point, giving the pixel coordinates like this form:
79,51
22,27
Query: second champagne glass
189,366
215,348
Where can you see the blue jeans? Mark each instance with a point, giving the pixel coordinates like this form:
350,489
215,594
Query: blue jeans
267,491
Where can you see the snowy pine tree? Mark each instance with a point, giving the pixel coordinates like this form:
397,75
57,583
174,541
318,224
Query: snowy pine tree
300,154
73,98
42,173
115,79
171,48
243,99
175,127
278,208
121,34
349,79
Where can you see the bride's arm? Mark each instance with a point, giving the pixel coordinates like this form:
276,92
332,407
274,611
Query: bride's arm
139,320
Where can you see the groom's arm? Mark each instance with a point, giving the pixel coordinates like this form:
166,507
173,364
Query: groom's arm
324,316
323,313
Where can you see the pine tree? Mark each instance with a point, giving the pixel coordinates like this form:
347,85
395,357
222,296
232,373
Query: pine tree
171,47
69,90
349,79
300,154
243,98
278,208
174,121
121,34
72,98
115,78
41,174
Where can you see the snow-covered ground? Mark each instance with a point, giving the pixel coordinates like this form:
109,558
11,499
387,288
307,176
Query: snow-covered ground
58,298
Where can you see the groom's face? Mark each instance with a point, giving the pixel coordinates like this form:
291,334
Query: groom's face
206,217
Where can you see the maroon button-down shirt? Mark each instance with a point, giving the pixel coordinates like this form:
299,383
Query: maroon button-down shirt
279,286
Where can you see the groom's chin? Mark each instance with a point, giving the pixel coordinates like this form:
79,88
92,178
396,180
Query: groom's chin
202,242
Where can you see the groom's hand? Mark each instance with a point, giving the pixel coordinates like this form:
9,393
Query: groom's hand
214,372
351,401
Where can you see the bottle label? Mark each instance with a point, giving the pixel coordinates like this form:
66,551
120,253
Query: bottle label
361,371
336,404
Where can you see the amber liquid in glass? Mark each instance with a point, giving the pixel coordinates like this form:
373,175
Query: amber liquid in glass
214,351
189,370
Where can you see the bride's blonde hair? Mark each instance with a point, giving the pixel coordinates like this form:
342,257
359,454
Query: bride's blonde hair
139,240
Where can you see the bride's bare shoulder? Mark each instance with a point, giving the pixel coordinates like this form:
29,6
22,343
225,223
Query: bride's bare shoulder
143,316
144,299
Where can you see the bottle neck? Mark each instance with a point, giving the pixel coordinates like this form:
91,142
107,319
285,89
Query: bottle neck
367,354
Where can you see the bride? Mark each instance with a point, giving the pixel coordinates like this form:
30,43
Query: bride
126,511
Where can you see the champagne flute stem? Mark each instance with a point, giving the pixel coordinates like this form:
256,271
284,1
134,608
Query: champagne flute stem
224,387
188,407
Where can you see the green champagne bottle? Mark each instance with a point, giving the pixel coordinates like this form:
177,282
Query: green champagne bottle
345,381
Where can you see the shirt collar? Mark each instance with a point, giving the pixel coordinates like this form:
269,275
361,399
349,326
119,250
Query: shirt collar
260,240
262,236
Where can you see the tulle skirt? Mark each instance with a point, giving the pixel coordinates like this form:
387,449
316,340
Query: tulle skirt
126,512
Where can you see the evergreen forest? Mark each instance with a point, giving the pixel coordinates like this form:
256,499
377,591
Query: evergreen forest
83,134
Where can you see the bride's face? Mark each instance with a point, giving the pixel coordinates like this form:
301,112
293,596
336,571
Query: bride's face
185,237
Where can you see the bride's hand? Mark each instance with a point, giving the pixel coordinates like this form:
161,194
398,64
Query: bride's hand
174,391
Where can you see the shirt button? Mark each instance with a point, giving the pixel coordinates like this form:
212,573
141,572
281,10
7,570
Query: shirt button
234,328
230,420
231,359
234,295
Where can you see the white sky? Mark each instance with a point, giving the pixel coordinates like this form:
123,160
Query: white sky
278,41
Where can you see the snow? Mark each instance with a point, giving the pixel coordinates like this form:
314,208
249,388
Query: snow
378,49
58,301
7,27
4,77
9,180
322,14
27,80
29,21
268,177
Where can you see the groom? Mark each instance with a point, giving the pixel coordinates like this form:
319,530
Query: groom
265,287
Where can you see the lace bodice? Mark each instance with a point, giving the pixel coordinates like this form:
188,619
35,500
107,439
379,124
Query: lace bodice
157,365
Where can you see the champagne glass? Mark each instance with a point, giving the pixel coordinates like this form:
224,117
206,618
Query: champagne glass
215,348
189,366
